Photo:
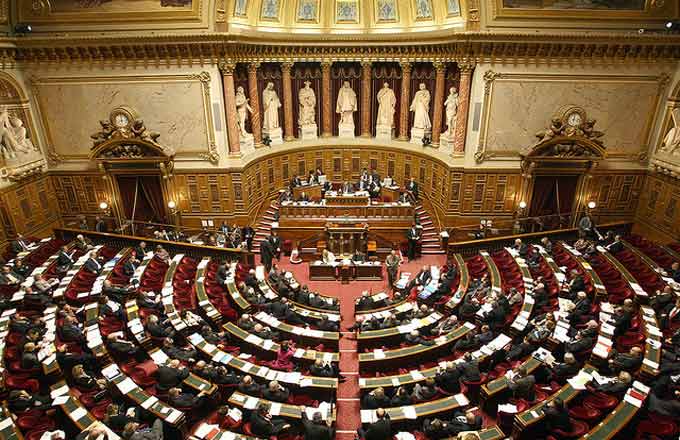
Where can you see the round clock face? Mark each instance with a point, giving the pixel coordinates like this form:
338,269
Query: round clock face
120,120
574,119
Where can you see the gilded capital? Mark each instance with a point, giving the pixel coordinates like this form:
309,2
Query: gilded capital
286,66
439,66
227,67
466,67
326,65
405,66
366,64
252,67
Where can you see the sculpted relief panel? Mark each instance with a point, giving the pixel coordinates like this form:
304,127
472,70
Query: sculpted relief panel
176,106
20,154
517,106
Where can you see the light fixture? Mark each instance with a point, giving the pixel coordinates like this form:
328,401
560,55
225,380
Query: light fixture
522,205
591,205
103,206
172,204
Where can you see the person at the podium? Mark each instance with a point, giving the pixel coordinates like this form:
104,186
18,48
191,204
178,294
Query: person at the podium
313,179
413,236
327,257
374,189
295,181
303,197
347,188
359,257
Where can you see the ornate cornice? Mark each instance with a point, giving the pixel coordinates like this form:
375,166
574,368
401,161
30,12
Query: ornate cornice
459,47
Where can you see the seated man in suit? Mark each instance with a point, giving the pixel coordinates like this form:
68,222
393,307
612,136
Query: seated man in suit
523,384
92,264
466,421
121,347
71,331
8,277
275,392
376,399
521,247
141,250
156,329
179,399
21,268
561,371
630,361
170,375
316,428
414,338
107,307
448,378
616,246
64,260
469,369
186,353
42,285
19,245
83,243
381,429
249,386
263,425
29,358
116,293
618,386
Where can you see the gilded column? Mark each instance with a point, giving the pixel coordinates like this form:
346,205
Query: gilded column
289,134
440,71
405,101
463,107
254,95
230,106
366,99
326,99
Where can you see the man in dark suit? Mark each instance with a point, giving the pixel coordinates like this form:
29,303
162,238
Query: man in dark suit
70,331
412,187
92,264
448,378
29,358
423,277
381,429
523,384
581,309
316,428
675,271
140,250
100,225
275,241
466,421
295,181
617,246
275,392
413,236
170,375
565,370
116,293
248,234
618,386
64,260
347,188
630,361
222,274
124,348
8,277
376,399
469,369
178,399
266,254
19,245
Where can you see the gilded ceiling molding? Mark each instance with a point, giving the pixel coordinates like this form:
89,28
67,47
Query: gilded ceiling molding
210,49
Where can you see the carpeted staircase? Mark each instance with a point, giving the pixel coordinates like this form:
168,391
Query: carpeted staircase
264,226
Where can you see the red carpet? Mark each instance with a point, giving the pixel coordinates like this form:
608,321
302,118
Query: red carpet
349,405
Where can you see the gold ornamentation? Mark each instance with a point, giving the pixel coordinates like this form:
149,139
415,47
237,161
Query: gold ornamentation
22,172
212,156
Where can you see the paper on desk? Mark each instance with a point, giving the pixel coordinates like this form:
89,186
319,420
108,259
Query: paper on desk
126,385
78,413
148,403
250,403
206,429
379,354
410,412
368,416
275,409
60,400
507,408
173,416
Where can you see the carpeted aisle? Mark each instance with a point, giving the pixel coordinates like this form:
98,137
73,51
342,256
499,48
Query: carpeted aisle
348,395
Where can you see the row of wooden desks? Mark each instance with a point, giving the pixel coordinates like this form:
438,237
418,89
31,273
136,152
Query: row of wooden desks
420,410
66,399
213,353
522,319
270,348
211,313
301,334
383,336
620,416
600,291
346,270
463,284
327,410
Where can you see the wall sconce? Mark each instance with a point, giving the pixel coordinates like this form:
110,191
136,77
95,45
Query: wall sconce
173,207
520,212
105,209
522,205
592,205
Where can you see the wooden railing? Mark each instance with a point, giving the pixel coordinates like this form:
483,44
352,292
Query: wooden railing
471,247
174,247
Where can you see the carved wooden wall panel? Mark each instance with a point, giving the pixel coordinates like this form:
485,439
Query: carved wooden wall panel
659,206
29,208
616,194
483,193
204,196
80,194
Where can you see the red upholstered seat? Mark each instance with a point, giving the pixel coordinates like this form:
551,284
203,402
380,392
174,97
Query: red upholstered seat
601,401
585,413
647,428
578,428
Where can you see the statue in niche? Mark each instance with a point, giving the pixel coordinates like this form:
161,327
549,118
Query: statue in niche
420,106
307,99
13,136
671,143
451,105
242,110
346,105
387,102
271,104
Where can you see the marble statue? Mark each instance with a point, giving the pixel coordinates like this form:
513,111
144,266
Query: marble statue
671,143
242,109
13,137
420,106
451,104
386,104
271,104
307,98
346,105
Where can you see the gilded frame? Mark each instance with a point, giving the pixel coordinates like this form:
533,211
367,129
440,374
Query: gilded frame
499,11
491,77
376,13
305,21
204,78
335,12
40,12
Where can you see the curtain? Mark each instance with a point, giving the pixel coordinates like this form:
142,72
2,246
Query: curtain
150,190
543,200
126,187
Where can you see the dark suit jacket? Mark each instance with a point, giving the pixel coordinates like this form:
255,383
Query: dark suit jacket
380,430
469,371
316,431
93,266
524,388
169,377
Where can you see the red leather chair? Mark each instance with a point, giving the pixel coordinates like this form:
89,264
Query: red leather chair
578,429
